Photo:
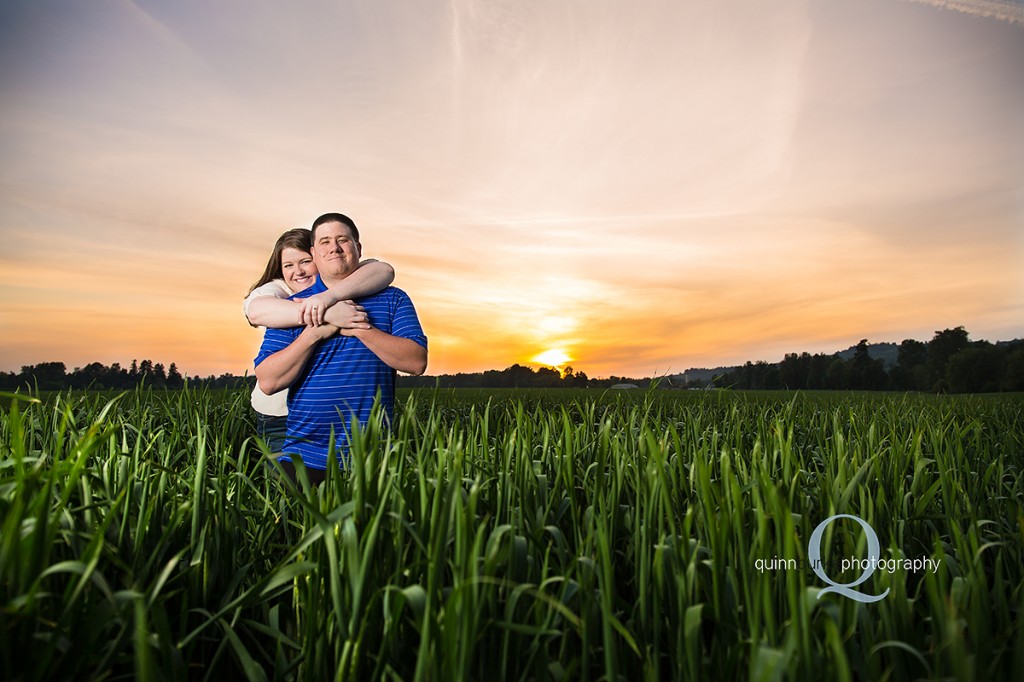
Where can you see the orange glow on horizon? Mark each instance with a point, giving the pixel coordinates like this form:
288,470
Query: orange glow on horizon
738,181
556,357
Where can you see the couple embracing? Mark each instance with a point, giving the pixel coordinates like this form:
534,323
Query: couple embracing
336,335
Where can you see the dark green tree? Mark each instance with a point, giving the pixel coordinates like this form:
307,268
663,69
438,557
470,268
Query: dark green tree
817,371
547,377
941,348
978,369
174,378
48,376
1013,376
864,373
93,375
159,375
795,370
911,371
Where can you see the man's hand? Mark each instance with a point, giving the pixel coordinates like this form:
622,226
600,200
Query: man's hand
348,315
323,332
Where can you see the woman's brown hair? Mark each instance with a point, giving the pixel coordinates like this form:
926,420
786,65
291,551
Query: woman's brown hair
299,238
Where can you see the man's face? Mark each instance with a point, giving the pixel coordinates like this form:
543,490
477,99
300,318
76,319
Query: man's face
335,253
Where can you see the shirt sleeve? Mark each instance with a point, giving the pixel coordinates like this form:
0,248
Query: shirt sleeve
275,340
405,323
273,288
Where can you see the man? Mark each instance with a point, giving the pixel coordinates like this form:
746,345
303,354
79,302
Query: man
335,374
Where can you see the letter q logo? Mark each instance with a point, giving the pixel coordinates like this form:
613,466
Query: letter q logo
874,554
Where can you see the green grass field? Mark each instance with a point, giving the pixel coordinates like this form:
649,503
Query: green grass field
493,535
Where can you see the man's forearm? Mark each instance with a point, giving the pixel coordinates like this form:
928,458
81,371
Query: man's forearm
404,355
280,370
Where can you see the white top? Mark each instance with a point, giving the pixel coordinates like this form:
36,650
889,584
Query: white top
275,405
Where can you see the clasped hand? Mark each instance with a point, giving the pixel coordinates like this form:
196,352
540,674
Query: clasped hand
345,314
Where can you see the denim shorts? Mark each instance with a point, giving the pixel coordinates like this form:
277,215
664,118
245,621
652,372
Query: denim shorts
272,430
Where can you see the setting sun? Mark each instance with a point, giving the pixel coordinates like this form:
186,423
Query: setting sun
556,357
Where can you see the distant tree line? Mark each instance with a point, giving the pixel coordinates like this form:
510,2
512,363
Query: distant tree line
516,376
97,376
48,376
949,363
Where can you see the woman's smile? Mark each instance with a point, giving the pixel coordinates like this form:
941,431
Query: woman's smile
298,269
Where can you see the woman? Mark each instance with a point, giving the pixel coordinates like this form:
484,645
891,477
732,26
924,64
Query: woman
290,270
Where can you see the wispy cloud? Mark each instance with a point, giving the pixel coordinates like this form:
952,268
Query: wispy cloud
1009,11
644,186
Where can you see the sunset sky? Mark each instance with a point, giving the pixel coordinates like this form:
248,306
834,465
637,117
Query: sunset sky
639,187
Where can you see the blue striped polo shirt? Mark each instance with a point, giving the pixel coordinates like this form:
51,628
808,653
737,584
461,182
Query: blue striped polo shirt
342,377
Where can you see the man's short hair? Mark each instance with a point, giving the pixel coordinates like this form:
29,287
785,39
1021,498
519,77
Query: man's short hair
335,218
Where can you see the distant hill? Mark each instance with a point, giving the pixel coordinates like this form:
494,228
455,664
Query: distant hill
888,353
950,362
700,374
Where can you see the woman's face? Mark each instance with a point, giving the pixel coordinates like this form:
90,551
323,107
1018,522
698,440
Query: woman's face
297,268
